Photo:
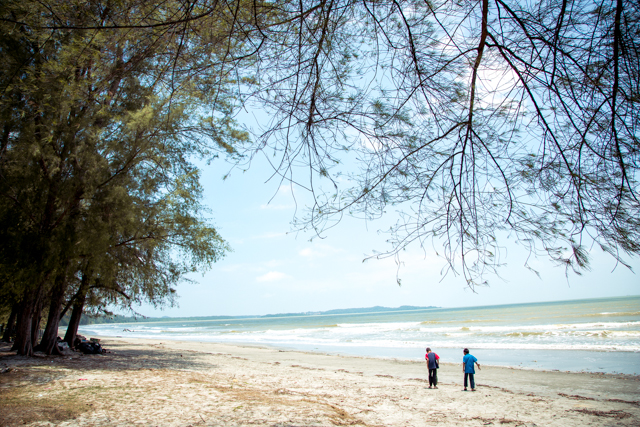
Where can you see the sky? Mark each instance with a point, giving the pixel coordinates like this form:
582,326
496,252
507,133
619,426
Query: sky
274,270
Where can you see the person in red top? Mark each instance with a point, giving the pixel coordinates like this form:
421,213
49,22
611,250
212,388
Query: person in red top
433,364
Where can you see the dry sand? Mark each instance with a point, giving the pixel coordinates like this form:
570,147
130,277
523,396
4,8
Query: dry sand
153,383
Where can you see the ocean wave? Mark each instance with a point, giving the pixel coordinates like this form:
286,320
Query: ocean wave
332,342
611,314
598,329
536,328
602,334
526,334
379,325
458,321
422,327
622,330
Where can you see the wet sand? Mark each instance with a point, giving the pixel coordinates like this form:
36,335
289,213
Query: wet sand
167,383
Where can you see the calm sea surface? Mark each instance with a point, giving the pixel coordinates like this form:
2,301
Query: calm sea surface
597,335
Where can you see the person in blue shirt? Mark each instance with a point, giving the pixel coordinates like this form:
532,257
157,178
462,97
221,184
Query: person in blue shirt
467,367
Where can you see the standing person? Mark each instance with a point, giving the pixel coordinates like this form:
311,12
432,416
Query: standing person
433,364
467,367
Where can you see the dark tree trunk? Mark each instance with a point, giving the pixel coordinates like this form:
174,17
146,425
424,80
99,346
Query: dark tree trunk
74,322
35,324
23,344
49,342
76,313
24,325
11,324
78,305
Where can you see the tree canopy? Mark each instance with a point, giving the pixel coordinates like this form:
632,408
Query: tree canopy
99,133
474,119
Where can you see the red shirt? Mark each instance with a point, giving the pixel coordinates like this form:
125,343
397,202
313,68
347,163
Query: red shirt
434,363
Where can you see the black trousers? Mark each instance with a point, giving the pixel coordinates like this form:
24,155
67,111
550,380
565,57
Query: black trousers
433,377
470,376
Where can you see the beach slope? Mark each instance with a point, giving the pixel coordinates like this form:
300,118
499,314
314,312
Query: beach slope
153,383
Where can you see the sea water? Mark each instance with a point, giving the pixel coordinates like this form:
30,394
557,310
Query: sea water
596,335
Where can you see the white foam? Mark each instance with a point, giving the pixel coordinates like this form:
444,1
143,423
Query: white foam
445,332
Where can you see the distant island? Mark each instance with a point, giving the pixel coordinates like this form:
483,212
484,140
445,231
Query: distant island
86,320
376,309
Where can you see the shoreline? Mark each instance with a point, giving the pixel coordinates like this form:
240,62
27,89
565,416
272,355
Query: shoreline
419,359
563,360
179,383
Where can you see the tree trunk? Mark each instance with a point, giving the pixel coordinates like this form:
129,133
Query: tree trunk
11,324
26,310
49,342
74,322
78,305
35,324
23,344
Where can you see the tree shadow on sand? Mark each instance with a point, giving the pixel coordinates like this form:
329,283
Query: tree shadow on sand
119,356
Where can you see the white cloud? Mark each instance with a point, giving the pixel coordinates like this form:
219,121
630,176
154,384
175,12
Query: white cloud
275,207
307,252
269,235
272,276
231,268
283,199
286,190
319,251
274,263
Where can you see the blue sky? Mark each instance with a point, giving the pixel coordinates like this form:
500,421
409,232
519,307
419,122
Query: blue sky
272,270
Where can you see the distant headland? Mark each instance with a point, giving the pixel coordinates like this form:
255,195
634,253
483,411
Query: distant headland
376,309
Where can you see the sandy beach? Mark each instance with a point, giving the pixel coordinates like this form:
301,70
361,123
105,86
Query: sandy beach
167,383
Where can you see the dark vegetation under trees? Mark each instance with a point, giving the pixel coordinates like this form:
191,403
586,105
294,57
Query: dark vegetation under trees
474,119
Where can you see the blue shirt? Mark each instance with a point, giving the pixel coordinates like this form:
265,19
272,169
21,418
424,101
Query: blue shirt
468,361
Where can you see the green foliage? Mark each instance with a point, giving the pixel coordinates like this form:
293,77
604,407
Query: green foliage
99,130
